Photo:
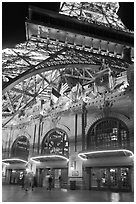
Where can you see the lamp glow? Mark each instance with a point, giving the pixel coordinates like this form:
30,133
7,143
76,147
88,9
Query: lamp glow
37,162
48,156
14,159
7,164
84,157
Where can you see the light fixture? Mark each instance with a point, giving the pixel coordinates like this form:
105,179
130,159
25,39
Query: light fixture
14,159
37,162
49,156
7,164
28,170
84,157
72,168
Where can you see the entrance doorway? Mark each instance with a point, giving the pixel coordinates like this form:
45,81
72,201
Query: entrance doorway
15,176
60,177
113,178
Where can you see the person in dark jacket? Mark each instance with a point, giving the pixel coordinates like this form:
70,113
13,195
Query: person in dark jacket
50,182
22,181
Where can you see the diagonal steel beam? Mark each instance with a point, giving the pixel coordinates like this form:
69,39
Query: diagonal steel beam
11,104
77,77
30,101
89,74
22,58
19,102
30,71
23,92
44,78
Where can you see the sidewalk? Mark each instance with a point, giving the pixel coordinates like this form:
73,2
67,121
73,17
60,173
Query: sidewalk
13,193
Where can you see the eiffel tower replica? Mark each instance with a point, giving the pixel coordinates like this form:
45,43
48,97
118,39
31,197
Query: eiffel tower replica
74,57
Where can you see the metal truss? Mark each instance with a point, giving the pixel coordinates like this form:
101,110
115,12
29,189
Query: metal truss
100,13
48,62
29,76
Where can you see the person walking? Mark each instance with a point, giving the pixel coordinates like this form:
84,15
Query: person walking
26,182
50,182
22,181
31,180
60,181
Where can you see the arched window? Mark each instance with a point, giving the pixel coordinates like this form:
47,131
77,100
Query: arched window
55,142
108,133
20,148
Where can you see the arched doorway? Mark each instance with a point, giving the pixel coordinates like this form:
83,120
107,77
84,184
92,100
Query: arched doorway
106,138
56,142
20,148
20,151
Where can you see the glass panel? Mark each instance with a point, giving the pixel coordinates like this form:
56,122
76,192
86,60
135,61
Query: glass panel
99,178
114,178
110,178
104,178
124,138
94,175
56,142
20,148
124,178
57,175
107,133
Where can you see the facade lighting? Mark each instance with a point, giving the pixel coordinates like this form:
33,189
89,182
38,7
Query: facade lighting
83,156
48,156
28,170
14,159
7,164
37,162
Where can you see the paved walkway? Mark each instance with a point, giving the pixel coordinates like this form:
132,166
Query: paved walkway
13,193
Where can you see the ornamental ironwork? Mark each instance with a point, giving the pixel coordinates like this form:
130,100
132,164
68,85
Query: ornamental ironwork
55,142
108,133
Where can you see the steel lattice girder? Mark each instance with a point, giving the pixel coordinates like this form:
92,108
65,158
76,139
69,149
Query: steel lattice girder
32,69
70,63
60,60
102,13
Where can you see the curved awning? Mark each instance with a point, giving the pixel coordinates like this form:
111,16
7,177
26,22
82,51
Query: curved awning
105,153
51,157
13,161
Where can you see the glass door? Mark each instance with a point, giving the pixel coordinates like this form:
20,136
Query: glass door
114,178
125,178
104,178
99,178
57,175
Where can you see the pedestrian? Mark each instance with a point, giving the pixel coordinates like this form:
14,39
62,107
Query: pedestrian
22,181
35,181
31,180
60,181
50,182
98,182
26,182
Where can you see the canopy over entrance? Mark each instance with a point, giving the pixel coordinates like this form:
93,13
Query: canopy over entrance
105,153
13,161
51,157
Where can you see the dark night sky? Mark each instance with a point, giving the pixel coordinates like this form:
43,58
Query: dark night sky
14,14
